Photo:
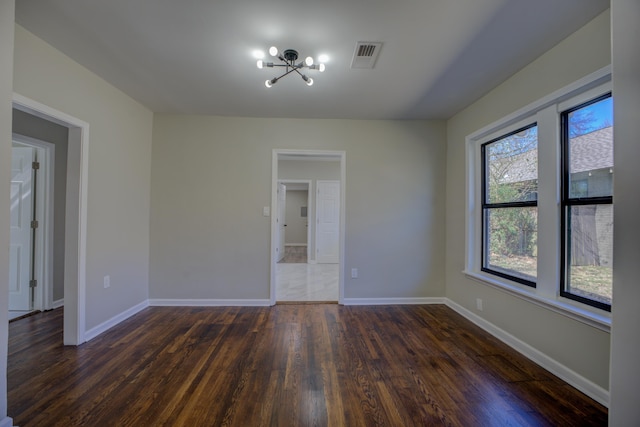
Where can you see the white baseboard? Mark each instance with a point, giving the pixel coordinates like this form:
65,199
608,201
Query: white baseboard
576,380
6,422
94,332
393,301
295,244
209,302
58,303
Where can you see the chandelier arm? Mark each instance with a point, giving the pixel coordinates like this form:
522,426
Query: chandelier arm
291,64
288,72
297,71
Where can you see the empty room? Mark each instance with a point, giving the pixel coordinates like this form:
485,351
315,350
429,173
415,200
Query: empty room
333,213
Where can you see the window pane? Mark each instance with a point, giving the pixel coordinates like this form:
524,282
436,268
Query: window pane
590,252
511,241
591,150
511,167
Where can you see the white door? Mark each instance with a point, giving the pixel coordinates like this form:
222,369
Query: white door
21,212
282,208
328,222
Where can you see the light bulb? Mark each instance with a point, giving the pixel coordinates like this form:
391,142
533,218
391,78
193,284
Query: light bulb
268,83
273,51
309,61
323,58
321,68
260,64
309,81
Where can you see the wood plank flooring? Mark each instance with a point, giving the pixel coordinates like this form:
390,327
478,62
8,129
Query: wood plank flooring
287,365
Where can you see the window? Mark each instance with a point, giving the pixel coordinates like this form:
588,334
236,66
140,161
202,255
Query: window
587,202
540,203
509,205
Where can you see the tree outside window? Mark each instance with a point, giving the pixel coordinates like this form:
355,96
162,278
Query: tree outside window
510,194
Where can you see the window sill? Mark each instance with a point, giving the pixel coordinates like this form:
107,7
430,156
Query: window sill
592,317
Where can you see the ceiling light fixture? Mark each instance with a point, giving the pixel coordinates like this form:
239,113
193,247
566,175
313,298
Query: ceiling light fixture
289,58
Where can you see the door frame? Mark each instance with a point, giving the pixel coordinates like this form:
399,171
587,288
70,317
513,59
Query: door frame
310,205
281,214
76,215
43,297
307,155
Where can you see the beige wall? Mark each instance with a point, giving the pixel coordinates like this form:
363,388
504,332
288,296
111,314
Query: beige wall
119,171
7,9
625,339
579,347
210,240
43,130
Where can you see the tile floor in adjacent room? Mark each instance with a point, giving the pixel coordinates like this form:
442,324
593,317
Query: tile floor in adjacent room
306,282
294,254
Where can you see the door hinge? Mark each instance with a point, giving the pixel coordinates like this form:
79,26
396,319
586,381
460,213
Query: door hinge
35,165
34,223
33,283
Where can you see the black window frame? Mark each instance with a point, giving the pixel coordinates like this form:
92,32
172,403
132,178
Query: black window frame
567,202
504,205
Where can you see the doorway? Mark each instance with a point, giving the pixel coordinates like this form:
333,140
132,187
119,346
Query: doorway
320,278
293,221
76,214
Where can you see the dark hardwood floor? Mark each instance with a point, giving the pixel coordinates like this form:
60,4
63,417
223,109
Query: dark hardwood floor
287,365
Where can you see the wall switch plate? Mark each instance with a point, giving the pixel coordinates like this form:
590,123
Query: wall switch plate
354,273
479,304
266,211
106,281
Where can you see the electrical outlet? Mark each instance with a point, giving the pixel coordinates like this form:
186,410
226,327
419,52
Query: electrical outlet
354,273
479,304
106,281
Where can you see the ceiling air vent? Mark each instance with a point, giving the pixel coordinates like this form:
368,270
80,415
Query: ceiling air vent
365,54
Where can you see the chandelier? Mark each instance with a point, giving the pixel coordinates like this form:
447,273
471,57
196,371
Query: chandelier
289,58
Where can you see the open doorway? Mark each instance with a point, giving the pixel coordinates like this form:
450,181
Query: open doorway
299,188
294,202
75,218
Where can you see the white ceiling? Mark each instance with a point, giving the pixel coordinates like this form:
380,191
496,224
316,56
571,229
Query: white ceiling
196,56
